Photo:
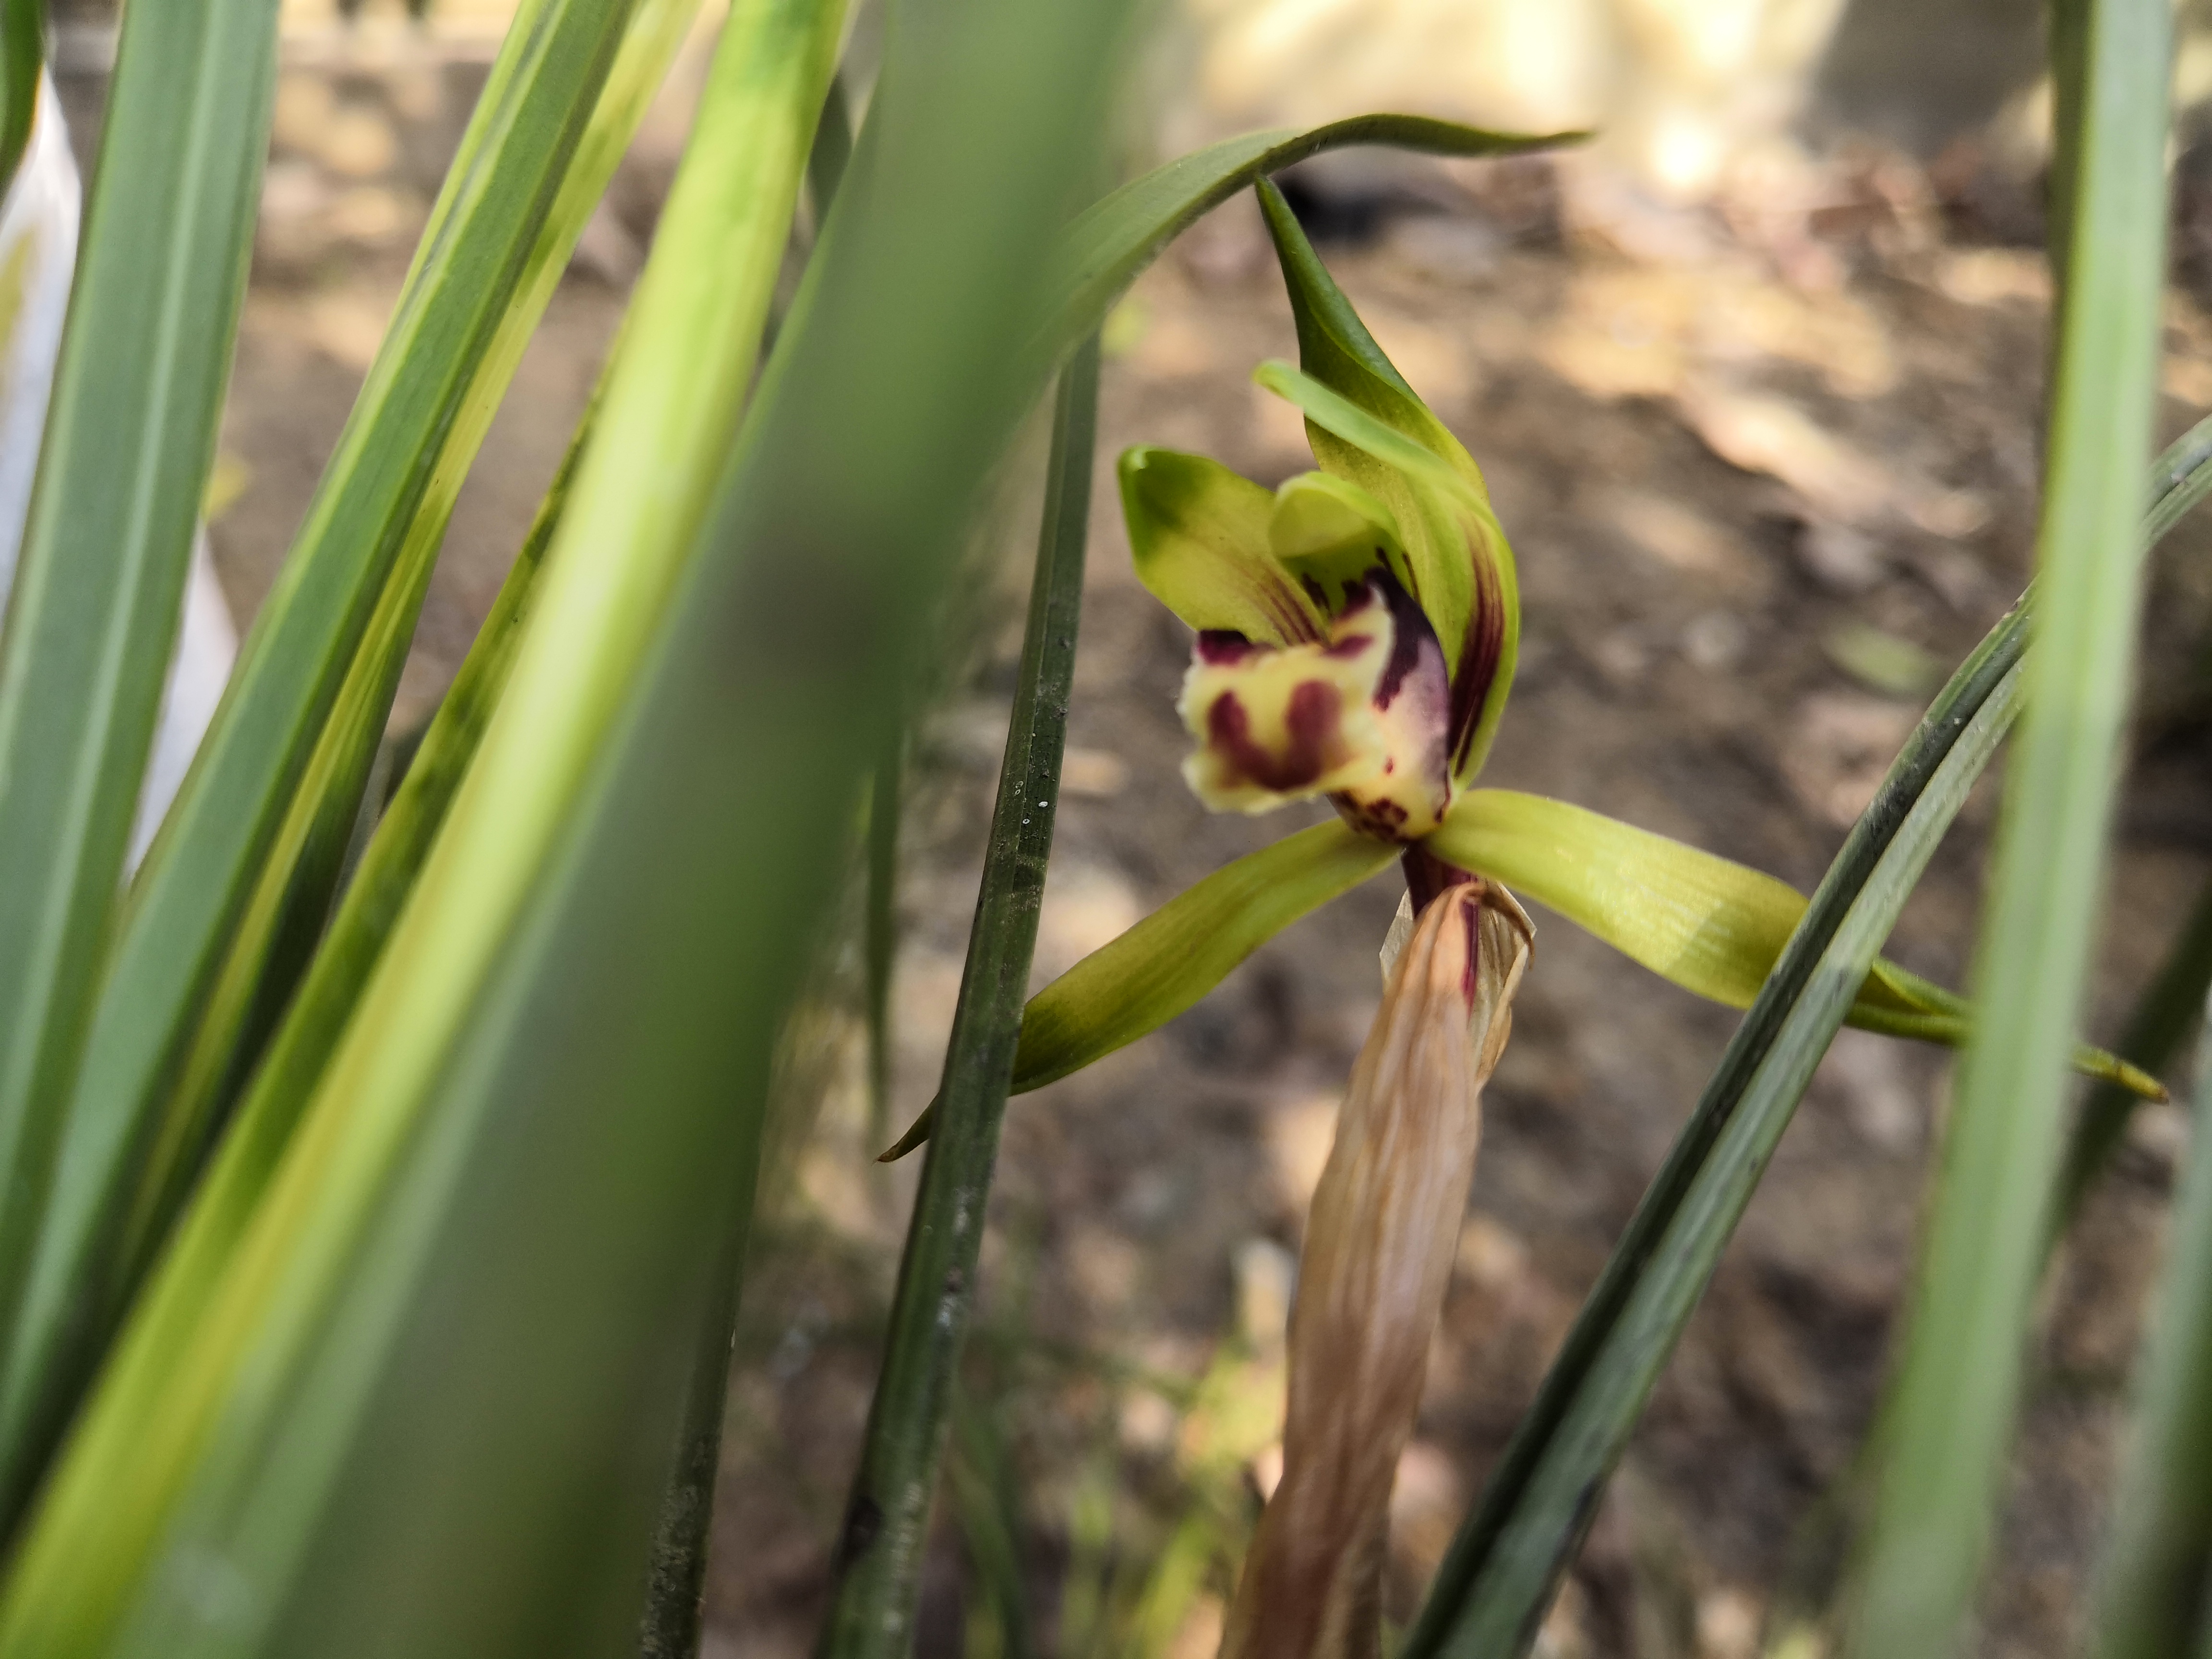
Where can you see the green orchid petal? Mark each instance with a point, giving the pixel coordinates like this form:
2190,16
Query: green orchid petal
1328,533
1461,561
1198,532
1478,614
1709,925
1165,963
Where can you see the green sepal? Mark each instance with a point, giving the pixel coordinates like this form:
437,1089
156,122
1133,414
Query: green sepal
1328,530
1461,559
1165,963
1453,541
1706,923
1197,533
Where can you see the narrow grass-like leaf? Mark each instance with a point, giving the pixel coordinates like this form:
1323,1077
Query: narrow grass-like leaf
675,1572
284,918
130,433
674,1615
825,171
2150,1602
2180,478
512,1330
1951,1415
2172,1004
879,1552
236,889
1496,1582
176,1300
675,389
674,394
1116,237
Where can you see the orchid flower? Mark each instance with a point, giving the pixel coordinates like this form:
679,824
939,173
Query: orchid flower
1356,631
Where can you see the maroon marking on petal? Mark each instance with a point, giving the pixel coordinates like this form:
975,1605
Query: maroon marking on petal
1409,634
1317,591
1382,819
1479,654
1297,625
1221,647
1343,650
1312,720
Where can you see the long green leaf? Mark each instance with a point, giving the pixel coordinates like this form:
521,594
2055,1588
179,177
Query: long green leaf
176,1299
671,404
2150,1601
2172,1003
674,394
676,1578
284,917
1116,237
236,889
1496,1582
130,435
879,1555
474,1398
1951,1415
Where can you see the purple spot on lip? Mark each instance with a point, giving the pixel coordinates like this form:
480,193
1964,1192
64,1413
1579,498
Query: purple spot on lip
1312,720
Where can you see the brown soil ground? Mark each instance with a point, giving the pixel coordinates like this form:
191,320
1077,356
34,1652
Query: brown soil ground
1767,477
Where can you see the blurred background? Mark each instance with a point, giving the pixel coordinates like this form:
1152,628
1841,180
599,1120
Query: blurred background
1755,377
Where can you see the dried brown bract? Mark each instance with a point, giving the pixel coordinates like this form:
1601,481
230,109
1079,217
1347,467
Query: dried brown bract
1378,1253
